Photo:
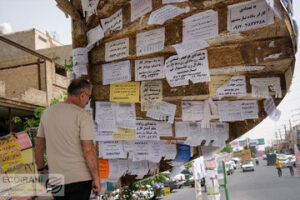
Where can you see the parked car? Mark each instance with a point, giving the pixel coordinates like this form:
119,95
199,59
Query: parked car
175,182
229,168
247,165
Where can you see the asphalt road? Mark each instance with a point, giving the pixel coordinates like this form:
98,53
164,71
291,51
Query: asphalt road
262,184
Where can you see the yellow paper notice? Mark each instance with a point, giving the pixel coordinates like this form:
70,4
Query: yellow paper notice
125,92
125,134
10,155
27,156
216,82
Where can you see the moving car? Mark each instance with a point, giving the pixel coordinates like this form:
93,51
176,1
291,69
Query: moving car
232,163
229,168
247,165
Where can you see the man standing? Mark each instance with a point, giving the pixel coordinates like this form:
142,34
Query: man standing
290,166
66,130
278,166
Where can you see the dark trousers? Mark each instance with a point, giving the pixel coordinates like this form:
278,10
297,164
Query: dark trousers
279,171
73,191
291,170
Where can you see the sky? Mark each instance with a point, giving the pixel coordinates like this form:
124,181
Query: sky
45,16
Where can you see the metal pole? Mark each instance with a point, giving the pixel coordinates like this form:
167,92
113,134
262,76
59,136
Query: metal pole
225,181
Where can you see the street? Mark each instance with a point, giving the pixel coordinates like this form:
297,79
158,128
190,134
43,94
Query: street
262,184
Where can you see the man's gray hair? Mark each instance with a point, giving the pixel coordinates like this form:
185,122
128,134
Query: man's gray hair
78,85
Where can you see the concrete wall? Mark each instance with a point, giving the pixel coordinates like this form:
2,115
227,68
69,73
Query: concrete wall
32,39
35,96
18,80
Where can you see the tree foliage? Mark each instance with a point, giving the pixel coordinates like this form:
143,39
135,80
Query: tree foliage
227,148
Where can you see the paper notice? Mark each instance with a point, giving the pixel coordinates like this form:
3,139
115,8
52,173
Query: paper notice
169,151
114,22
163,14
125,92
116,72
151,92
217,82
249,15
271,109
165,129
104,135
80,70
230,70
94,35
124,134
261,86
192,110
149,69
80,56
146,130
235,87
139,8
189,47
201,26
237,110
106,116
166,112
112,150
103,166
172,1
193,67
117,49
155,151
140,150
89,7
229,111
249,109
126,117
181,129
150,41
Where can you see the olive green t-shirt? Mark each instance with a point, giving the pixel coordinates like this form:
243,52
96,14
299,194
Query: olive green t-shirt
64,126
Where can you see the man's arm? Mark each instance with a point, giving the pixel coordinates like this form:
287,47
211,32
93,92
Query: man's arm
39,151
90,155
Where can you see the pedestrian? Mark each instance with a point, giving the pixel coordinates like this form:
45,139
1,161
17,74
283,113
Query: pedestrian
66,132
290,166
278,166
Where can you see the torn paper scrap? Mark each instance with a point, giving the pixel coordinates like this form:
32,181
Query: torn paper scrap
161,15
93,36
261,87
189,47
271,109
192,67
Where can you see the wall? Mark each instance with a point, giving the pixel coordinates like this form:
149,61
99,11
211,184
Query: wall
2,88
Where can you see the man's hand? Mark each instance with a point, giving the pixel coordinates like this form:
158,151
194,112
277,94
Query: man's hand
96,187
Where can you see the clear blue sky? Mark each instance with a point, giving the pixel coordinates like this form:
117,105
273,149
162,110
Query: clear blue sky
45,16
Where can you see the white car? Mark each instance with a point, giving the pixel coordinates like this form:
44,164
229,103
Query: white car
179,180
247,165
232,164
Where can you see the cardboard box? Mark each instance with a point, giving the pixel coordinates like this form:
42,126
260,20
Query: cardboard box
246,155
